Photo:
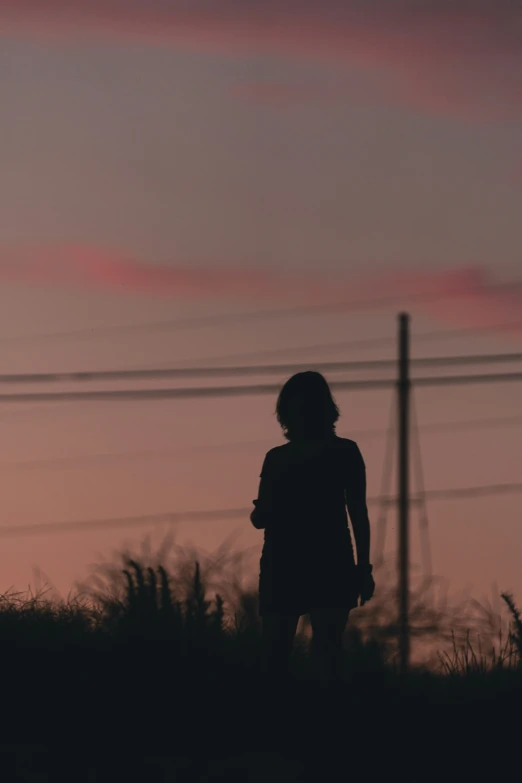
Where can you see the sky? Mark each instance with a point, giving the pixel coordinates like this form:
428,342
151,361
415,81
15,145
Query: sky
167,164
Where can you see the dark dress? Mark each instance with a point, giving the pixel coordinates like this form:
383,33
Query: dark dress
308,559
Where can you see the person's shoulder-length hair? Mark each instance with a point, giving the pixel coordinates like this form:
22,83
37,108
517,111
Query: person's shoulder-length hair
306,407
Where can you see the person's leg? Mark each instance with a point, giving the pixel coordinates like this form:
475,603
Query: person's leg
328,626
278,638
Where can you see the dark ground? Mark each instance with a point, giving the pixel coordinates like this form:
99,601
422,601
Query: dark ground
147,687
127,715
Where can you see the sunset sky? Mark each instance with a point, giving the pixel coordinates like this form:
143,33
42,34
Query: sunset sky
164,161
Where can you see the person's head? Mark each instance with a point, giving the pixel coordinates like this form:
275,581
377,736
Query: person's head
306,407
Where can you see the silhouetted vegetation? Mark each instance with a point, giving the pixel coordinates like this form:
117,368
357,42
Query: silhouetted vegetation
165,658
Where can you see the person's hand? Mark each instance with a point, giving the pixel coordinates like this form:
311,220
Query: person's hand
366,583
256,517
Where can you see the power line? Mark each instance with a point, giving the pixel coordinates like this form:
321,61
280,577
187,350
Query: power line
211,449
386,480
465,331
263,369
183,324
94,524
187,372
229,514
129,395
472,424
484,358
455,380
180,324
423,508
103,458
300,349
369,342
473,492
218,319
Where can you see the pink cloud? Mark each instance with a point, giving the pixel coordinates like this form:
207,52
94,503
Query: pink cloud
466,296
478,301
99,268
459,58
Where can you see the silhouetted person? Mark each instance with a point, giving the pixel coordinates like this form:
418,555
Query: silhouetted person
308,564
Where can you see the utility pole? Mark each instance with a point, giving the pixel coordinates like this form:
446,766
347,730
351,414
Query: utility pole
404,499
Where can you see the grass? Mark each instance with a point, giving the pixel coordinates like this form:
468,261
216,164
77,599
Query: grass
157,667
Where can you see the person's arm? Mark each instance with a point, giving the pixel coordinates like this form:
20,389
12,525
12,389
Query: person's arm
261,511
358,509
258,517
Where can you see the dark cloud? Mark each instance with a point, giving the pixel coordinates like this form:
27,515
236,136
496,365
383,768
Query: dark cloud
450,57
